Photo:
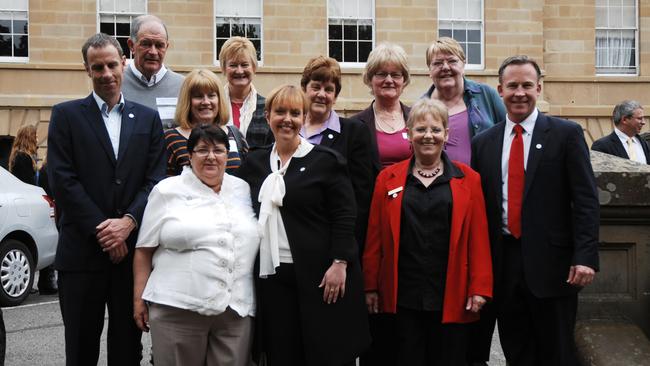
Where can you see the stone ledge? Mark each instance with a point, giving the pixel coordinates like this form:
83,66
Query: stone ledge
611,343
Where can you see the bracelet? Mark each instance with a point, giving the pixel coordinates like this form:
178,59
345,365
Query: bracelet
340,261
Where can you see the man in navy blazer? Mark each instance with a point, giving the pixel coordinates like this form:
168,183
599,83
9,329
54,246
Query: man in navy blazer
545,251
625,141
104,156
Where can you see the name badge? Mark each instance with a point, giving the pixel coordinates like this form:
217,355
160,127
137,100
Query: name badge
393,192
405,135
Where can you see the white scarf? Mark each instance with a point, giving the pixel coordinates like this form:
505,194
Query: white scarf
270,219
246,111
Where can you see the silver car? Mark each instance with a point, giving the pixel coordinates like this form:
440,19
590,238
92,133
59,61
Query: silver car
28,237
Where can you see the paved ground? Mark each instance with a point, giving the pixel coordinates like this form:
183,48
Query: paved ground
35,335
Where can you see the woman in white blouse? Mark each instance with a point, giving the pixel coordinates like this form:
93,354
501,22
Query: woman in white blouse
193,265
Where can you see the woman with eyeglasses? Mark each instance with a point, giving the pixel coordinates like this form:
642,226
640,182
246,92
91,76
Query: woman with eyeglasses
473,107
387,74
201,101
194,258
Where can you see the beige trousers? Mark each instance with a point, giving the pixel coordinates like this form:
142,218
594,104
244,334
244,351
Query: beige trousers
186,338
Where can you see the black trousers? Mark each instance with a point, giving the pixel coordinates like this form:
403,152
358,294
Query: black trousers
533,331
382,348
422,340
480,335
84,297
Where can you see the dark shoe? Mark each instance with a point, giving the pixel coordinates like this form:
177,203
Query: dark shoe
47,282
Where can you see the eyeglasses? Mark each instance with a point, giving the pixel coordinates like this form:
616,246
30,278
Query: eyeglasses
393,75
437,64
204,153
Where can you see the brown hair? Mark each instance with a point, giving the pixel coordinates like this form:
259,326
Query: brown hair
322,69
24,142
202,80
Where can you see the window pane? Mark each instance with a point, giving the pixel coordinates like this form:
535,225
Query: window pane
107,5
223,28
5,45
460,9
474,36
365,9
107,28
220,43
365,32
123,29
18,5
615,20
459,35
601,16
20,26
350,32
139,6
364,51
474,10
444,33
253,8
20,46
122,6
336,50
629,17
124,45
349,51
238,30
253,30
350,9
444,9
335,31
258,48
5,26
473,54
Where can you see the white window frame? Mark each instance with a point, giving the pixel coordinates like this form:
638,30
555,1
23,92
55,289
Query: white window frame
359,64
635,29
236,16
120,13
12,11
456,20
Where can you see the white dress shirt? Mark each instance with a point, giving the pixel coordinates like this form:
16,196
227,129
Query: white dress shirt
636,145
155,78
112,120
528,125
207,243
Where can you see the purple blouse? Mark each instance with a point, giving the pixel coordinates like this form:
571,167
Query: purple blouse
393,147
458,145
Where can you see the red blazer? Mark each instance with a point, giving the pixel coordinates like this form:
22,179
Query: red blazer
469,270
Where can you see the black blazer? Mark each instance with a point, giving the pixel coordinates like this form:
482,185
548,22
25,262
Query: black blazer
367,116
560,209
612,145
353,142
90,185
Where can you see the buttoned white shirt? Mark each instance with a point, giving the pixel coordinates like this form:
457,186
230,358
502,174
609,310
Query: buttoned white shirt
155,78
528,125
112,120
636,145
206,245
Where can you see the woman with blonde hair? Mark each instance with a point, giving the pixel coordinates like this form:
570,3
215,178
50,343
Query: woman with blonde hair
22,159
473,107
238,59
201,101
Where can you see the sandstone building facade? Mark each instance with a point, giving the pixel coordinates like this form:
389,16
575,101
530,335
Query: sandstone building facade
594,53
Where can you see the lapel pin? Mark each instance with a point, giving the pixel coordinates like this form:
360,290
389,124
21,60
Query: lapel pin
538,146
330,136
393,192
302,169
131,115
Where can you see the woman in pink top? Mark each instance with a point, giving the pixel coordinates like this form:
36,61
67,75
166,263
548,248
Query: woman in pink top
386,74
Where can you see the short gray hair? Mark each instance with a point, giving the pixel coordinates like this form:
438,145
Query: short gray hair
138,21
100,40
625,109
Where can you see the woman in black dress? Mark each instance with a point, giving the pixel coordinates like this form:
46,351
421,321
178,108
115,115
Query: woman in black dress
310,295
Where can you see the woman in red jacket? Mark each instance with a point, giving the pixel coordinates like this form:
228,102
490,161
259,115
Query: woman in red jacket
427,254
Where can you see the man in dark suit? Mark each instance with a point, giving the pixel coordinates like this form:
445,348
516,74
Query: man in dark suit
543,212
625,141
104,156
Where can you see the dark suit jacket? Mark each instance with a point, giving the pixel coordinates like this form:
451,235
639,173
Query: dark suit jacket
353,142
560,209
612,145
90,185
367,116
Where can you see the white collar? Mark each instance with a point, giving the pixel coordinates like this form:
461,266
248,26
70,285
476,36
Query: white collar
103,106
623,136
155,78
528,123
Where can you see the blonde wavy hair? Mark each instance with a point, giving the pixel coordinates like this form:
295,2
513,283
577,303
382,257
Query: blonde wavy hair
200,81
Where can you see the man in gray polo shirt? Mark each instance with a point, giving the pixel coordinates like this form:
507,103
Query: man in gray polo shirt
146,79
